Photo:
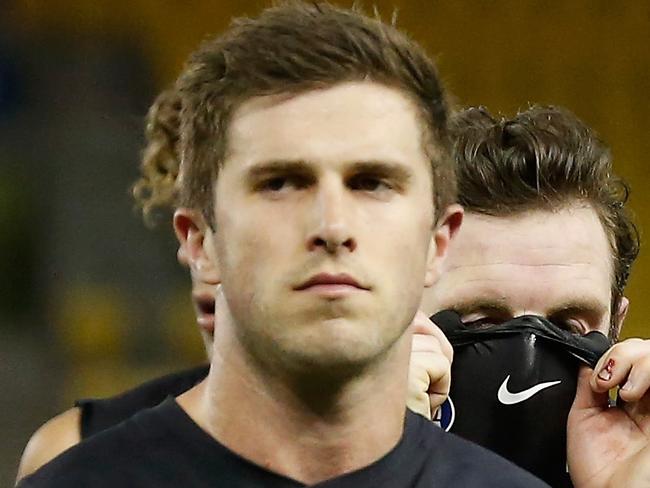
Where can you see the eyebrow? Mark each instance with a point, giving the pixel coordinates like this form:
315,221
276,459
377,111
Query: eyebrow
278,166
389,169
491,304
583,305
588,305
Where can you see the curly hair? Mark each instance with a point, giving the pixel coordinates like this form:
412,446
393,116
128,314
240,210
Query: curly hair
155,192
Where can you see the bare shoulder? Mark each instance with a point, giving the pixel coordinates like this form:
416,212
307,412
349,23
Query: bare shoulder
51,439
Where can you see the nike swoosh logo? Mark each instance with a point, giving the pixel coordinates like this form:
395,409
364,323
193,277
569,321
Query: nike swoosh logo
508,398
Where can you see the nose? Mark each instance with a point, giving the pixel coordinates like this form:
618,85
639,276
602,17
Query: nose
332,215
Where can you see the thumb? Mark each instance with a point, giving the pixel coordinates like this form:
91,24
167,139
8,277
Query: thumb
422,325
586,398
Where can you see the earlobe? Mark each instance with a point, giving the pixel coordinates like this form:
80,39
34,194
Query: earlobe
446,229
196,246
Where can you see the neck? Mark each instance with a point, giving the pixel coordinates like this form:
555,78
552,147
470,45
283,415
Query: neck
289,425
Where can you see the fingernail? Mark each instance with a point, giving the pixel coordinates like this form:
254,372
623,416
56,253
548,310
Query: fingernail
605,374
627,386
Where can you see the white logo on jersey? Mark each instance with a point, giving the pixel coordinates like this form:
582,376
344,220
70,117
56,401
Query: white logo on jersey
508,398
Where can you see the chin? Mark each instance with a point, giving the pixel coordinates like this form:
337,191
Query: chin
345,354
316,346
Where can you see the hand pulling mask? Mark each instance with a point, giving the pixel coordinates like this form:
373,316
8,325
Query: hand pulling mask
513,385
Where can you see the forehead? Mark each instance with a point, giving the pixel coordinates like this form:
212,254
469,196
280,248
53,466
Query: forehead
529,262
337,123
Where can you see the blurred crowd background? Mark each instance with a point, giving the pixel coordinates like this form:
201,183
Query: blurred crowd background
91,301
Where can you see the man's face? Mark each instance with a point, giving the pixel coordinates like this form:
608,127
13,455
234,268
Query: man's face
556,264
324,220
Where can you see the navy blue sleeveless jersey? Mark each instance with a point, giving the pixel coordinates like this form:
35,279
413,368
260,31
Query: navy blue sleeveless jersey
98,414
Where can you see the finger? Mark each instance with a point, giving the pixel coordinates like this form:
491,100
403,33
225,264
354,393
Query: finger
638,381
418,386
432,364
426,343
433,368
440,387
586,397
420,404
437,371
429,377
419,379
423,325
616,364
439,390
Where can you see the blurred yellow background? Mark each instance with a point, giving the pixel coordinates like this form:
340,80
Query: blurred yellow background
102,304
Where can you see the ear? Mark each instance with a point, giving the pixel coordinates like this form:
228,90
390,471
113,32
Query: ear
619,316
446,228
196,245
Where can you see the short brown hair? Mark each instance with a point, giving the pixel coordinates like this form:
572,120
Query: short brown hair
154,192
292,48
544,157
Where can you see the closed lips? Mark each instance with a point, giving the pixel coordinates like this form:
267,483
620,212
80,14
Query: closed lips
330,279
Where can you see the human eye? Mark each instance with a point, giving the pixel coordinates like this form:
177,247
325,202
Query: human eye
570,324
274,184
482,318
280,184
481,322
369,183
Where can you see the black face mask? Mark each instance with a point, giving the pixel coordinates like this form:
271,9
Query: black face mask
513,385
